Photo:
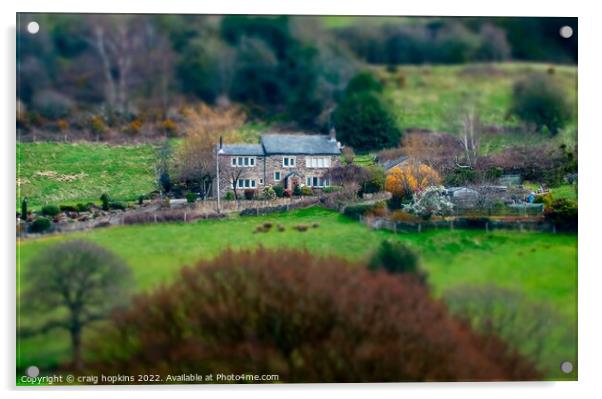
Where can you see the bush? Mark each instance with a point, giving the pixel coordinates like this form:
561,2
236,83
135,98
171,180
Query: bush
140,199
538,100
307,191
50,210
105,199
229,196
68,208
117,205
355,211
269,193
279,190
24,210
40,225
249,194
307,319
461,177
297,190
83,208
394,257
191,197
545,199
405,180
375,180
564,214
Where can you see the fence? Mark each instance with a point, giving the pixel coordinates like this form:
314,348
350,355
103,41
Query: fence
458,223
506,210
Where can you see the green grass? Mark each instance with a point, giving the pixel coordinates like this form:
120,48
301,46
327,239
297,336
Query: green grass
61,173
428,97
544,266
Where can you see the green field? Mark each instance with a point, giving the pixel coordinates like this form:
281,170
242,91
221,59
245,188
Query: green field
62,173
428,97
544,266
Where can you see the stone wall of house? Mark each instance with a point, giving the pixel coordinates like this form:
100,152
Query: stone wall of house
264,171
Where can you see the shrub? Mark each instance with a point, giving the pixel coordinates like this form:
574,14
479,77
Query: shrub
330,189
249,194
297,190
540,101
134,127
105,199
24,210
307,319
403,181
68,208
169,127
394,257
406,217
140,199
40,225
564,214
375,180
269,193
545,199
117,205
460,177
279,190
229,196
307,191
83,208
50,210
191,197
430,202
355,211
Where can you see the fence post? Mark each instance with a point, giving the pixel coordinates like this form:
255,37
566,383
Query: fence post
184,216
419,227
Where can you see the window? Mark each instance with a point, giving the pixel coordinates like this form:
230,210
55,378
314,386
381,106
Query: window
260,181
315,181
317,162
277,176
245,183
288,162
243,162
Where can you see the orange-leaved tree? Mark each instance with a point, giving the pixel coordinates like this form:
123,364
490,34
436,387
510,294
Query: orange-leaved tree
404,180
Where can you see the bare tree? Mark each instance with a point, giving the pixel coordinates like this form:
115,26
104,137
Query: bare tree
470,136
116,40
73,284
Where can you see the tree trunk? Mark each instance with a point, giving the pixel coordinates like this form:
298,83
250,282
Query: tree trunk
76,346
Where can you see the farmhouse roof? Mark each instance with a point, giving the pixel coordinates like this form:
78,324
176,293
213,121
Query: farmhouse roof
243,149
303,144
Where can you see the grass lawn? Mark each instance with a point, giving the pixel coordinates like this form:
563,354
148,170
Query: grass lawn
542,265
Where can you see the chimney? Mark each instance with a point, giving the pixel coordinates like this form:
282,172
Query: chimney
333,134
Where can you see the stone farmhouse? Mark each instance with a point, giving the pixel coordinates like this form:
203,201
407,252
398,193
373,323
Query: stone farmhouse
285,159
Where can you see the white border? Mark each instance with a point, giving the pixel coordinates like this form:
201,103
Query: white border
590,68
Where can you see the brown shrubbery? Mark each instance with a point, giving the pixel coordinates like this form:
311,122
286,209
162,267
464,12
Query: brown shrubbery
307,319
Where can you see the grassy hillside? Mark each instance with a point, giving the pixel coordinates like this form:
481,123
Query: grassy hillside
544,266
59,173
428,97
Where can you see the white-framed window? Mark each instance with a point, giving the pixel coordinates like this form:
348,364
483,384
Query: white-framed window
317,162
245,183
243,162
277,176
288,162
260,181
316,181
